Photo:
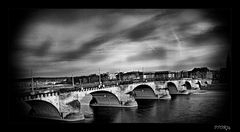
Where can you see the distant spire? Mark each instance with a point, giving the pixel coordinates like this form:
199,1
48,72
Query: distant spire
32,82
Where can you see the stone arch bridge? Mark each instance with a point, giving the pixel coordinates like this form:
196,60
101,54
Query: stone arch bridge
65,103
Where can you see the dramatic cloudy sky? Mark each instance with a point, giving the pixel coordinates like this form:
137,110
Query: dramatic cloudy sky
65,42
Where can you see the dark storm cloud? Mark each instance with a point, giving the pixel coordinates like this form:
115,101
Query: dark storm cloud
62,16
108,23
201,39
136,11
147,28
85,48
154,54
140,31
208,38
41,50
70,16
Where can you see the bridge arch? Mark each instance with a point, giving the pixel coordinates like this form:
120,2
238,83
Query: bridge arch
143,91
104,98
172,88
188,85
41,108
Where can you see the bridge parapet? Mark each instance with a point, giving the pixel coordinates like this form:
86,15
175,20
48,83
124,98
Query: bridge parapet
123,88
52,97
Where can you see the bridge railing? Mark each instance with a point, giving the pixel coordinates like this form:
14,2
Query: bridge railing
91,86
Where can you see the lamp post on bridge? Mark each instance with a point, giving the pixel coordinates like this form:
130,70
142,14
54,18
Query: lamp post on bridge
32,93
119,76
99,76
72,81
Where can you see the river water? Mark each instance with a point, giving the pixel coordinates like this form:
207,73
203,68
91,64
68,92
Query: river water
210,107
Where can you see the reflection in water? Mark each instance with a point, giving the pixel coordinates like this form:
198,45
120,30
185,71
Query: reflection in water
211,107
126,115
100,112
